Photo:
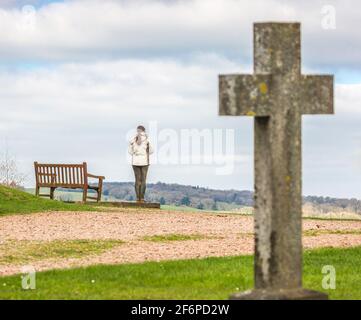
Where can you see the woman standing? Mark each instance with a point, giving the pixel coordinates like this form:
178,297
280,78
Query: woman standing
140,149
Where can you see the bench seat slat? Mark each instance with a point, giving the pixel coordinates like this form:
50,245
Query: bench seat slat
60,185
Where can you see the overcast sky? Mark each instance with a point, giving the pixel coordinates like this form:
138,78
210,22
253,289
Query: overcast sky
77,76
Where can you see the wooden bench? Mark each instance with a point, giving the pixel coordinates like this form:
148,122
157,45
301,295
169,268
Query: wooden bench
71,176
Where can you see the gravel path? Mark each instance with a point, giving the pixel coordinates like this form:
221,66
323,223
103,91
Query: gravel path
224,235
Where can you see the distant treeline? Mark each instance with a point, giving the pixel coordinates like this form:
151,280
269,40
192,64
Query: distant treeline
210,199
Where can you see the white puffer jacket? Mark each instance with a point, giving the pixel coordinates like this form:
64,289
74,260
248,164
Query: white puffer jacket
140,156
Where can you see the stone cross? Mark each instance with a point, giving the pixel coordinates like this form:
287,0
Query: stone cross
276,95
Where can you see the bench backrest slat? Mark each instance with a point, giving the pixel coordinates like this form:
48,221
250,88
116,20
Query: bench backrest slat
57,174
77,175
66,175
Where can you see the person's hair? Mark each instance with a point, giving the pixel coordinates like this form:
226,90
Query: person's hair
141,128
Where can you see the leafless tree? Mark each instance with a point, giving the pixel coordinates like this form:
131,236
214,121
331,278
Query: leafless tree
10,175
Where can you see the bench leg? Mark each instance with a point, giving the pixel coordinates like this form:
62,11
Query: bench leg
85,194
99,195
100,189
37,191
52,193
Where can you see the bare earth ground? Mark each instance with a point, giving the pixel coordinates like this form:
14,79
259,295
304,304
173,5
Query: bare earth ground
223,235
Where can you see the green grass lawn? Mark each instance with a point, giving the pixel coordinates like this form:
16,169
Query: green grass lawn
174,237
16,201
25,251
211,278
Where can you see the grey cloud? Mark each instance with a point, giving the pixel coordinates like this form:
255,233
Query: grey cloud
81,30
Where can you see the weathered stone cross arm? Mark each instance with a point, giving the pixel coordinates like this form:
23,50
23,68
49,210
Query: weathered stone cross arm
258,95
277,83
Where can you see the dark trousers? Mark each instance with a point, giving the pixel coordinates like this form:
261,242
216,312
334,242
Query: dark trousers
140,173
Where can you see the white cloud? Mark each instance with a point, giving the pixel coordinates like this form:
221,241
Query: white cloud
110,89
59,114
348,98
82,111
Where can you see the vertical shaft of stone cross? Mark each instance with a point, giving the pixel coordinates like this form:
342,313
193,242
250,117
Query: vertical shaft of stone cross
278,200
